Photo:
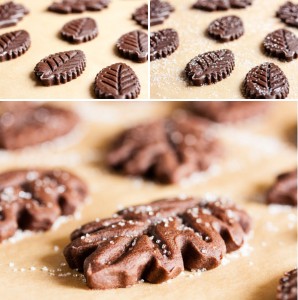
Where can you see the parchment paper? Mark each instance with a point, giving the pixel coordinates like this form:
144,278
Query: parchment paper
167,75
16,76
256,151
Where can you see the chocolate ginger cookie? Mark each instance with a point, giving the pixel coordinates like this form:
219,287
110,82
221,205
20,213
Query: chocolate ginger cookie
118,81
210,67
166,150
134,45
60,68
34,199
288,13
155,242
226,29
78,6
284,190
80,30
32,125
228,111
212,5
266,81
282,44
11,13
14,44
163,43
287,288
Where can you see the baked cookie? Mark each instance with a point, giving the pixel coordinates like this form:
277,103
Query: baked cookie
34,199
167,150
155,242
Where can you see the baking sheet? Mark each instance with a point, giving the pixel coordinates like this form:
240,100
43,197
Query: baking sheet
256,151
16,76
167,75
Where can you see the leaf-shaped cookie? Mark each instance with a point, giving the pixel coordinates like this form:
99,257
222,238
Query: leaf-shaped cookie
288,13
60,67
163,43
117,81
266,81
80,30
134,45
282,44
157,241
14,44
78,6
210,67
211,5
11,13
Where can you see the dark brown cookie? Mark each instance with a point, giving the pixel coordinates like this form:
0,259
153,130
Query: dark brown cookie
282,44
80,30
266,81
141,16
134,45
159,12
175,148
78,6
288,13
157,241
210,67
226,29
34,199
163,43
212,5
284,190
31,125
11,13
287,288
60,67
14,44
118,81
228,111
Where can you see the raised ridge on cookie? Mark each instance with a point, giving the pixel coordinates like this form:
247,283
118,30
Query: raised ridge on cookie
167,150
155,242
33,199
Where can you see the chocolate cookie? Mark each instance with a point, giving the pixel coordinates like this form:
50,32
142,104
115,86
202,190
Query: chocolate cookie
282,44
14,44
266,81
157,241
288,13
78,6
228,111
287,289
134,46
31,125
11,14
226,29
163,43
212,5
159,12
210,67
167,150
117,81
34,199
284,190
80,30
141,16
60,67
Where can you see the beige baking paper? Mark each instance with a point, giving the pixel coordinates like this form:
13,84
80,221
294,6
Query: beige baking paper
167,75
256,151
16,76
